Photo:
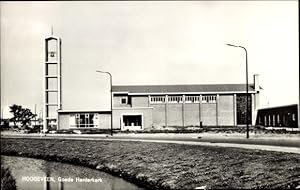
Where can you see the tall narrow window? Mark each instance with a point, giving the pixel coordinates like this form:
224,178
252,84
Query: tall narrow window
294,117
265,120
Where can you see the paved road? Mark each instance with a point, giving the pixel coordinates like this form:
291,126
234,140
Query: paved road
272,144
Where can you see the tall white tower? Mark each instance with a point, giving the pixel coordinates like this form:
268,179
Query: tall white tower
52,82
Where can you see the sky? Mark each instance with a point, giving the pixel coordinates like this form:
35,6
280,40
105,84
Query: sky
159,42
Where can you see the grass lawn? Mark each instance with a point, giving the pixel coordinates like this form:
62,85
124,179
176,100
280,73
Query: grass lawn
7,180
169,166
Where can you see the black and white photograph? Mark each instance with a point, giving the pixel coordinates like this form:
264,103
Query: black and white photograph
149,95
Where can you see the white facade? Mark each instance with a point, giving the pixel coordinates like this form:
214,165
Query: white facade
52,82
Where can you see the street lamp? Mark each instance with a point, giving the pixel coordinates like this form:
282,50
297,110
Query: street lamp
111,100
247,123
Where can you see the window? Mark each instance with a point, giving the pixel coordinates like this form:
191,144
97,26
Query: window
273,124
192,99
157,99
209,99
265,120
175,99
294,117
124,100
83,120
132,121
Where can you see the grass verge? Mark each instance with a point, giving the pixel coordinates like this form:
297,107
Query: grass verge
7,180
169,166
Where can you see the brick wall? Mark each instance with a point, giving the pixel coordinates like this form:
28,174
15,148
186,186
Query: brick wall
174,114
159,115
63,121
208,114
191,114
117,102
241,109
104,121
225,110
139,101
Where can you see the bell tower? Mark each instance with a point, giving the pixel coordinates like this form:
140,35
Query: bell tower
52,82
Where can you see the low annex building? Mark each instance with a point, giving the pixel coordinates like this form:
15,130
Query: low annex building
279,116
138,107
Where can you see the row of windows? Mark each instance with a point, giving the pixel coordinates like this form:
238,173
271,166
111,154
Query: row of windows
209,99
175,99
157,99
275,120
84,120
192,99
187,99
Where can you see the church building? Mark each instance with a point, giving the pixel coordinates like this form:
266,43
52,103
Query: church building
146,107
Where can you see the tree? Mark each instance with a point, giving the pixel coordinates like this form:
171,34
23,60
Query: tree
16,111
21,115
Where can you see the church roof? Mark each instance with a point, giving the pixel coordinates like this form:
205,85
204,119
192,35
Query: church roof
195,88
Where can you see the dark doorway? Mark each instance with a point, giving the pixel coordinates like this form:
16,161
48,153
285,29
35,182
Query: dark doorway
132,121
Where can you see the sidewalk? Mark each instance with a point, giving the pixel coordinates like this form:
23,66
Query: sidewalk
270,142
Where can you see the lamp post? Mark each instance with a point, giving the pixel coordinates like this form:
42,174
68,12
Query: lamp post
247,102
111,100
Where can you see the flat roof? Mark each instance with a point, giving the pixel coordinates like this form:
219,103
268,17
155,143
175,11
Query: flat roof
84,111
278,107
